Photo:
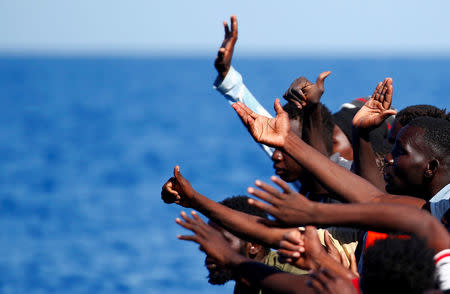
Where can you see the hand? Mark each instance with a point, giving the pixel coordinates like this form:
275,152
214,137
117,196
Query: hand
178,190
223,60
302,92
288,207
211,241
332,250
302,248
377,108
269,131
327,281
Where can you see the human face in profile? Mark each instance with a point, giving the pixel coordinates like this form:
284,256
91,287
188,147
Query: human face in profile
219,275
285,166
407,162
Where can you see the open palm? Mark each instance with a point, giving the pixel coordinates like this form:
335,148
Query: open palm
269,131
377,108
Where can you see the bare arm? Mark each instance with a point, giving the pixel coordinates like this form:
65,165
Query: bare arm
179,190
369,117
294,209
275,132
254,274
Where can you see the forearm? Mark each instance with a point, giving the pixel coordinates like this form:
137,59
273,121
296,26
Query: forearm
313,128
244,225
364,159
333,177
270,279
385,217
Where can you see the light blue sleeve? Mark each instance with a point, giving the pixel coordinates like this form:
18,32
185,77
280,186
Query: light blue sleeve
234,90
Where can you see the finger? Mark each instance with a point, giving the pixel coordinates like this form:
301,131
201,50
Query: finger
294,237
186,217
297,94
269,189
289,253
266,207
353,264
177,174
293,247
344,259
282,184
227,29
247,109
321,78
388,113
234,28
375,92
332,250
243,115
285,260
185,225
388,97
277,107
262,195
192,238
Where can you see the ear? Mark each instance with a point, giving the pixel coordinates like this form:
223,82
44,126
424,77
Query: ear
253,249
432,168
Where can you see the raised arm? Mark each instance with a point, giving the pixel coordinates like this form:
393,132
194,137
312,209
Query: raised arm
275,132
229,82
294,209
178,190
369,117
306,95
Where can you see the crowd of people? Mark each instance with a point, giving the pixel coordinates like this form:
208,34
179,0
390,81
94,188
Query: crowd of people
370,211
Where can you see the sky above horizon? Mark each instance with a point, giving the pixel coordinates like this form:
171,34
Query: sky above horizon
195,27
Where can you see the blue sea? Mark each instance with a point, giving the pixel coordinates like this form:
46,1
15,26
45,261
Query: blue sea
87,142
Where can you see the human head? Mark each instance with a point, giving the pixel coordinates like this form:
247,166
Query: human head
219,275
285,166
396,265
418,164
411,112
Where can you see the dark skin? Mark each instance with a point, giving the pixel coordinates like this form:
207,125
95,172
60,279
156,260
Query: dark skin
341,143
283,164
411,167
256,229
178,190
292,208
306,95
274,132
369,117
255,275
328,282
223,60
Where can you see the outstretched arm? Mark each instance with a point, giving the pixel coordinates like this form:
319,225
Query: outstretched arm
294,209
178,190
275,132
254,274
369,117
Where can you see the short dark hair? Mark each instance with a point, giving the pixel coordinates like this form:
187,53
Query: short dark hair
437,134
411,112
328,126
240,203
293,111
398,265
